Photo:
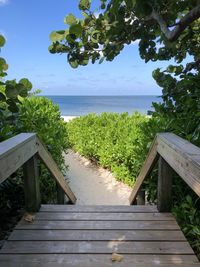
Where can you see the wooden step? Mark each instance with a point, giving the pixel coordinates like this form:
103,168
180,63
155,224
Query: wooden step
86,236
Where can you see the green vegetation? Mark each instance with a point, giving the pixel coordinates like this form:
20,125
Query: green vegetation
120,143
40,115
165,30
21,111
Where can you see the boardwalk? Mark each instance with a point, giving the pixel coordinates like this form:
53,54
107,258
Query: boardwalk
86,236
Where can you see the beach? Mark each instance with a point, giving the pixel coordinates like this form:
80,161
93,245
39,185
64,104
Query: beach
68,118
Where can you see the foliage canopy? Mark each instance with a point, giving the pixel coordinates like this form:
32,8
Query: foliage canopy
165,30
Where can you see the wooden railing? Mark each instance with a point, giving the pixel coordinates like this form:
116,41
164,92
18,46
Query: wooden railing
173,153
23,150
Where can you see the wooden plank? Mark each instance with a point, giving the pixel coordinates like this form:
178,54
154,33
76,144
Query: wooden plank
57,174
91,235
96,260
165,174
49,216
31,185
99,225
85,247
14,152
183,157
148,165
98,208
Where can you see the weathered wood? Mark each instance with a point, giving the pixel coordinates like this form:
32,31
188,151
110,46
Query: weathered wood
31,185
127,247
91,243
165,174
99,225
96,260
58,216
14,152
99,208
94,235
140,199
183,157
60,194
52,167
148,165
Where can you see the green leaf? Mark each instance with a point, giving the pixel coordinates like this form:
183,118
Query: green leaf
12,106
84,4
57,36
26,83
95,36
70,19
76,29
2,97
73,63
11,91
2,41
3,64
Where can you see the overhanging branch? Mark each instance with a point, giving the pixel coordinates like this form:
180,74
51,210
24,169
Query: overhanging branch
174,34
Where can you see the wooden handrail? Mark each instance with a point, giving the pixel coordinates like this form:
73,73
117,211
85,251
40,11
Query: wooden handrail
14,152
54,170
21,150
148,165
174,153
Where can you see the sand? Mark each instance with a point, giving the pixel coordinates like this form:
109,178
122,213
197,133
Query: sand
94,185
68,118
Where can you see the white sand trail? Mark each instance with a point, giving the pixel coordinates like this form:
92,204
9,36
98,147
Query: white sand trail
93,185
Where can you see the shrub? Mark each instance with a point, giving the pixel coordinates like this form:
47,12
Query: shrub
120,142
116,141
40,115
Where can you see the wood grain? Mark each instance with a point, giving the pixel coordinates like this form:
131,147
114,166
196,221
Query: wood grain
98,208
96,260
49,216
100,235
148,165
99,225
183,157
85,247
14,152
53,168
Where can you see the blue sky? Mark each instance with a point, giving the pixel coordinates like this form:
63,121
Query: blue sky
27,25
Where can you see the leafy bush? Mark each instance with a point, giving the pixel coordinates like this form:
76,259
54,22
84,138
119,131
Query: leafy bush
120,142
116,141
40,115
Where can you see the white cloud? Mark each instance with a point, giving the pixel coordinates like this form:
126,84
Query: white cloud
3,2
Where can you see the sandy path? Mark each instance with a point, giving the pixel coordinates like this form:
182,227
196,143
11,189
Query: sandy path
93,185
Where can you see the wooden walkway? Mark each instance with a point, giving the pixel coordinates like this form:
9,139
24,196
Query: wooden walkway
86,236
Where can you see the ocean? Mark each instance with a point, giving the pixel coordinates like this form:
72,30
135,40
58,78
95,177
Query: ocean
82,105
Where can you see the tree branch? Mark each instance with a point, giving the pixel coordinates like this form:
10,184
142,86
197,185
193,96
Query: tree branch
173,35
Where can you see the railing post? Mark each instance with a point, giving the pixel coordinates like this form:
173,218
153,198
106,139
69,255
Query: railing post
140,198
60,195
165,174
31,185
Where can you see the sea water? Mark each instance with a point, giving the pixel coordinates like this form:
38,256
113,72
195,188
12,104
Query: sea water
82,105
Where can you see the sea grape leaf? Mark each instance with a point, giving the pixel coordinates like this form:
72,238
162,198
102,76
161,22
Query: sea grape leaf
70,19
26,83
2,97
3,64
76,29
57,36
73,63
84,4
2,41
